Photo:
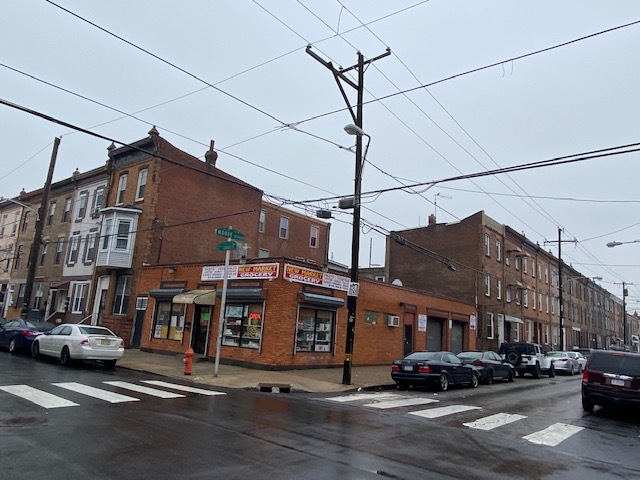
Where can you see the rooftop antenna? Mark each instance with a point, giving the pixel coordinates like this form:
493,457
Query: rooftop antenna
435,202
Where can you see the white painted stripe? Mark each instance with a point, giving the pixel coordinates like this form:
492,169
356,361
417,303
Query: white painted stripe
182,388
146,390
362,396
96,392
553,435
44,399
442,411
494,421
402,402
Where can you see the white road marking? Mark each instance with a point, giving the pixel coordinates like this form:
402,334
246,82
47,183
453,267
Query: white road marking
44,399
96,392
553,435
442,411
182,388
402,402
494,421
362,396
146,390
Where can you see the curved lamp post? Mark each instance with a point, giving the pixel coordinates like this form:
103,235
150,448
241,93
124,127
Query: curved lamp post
615,244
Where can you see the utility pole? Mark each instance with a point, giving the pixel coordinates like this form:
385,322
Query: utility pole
37,236
561,307
625,293
352,296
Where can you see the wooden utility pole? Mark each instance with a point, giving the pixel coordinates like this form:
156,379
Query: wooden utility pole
37,236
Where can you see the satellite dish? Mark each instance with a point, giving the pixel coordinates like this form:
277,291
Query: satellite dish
397,281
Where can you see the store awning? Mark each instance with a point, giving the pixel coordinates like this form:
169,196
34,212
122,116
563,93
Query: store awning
165,294
509,318
240,294
197,297
321,300
60,285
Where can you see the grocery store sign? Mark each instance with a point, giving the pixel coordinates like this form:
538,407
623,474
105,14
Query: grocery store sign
258,271
294,273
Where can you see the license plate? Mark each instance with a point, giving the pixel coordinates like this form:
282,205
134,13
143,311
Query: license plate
407,368
617,382
104,341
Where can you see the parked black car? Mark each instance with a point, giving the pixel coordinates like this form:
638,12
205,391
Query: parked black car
489,364
439,369
18,334
611,378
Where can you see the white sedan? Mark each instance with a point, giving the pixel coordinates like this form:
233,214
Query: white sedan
79,342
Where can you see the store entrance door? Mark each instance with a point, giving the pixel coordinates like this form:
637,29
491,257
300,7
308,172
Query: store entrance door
201,321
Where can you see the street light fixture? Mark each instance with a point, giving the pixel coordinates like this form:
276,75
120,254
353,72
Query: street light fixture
352,294
615,244
23,205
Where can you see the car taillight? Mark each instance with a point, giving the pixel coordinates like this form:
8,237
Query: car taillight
395,368
478,363
29,333
585,376
122,343
84,341
424,369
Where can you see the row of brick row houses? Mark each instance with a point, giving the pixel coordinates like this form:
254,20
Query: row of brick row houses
154,208
513,282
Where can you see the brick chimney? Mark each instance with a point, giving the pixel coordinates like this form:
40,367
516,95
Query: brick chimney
432,219
211,156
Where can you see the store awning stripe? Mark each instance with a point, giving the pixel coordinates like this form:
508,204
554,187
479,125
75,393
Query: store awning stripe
197,297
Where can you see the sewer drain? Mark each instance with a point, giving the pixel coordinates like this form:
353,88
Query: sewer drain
22,421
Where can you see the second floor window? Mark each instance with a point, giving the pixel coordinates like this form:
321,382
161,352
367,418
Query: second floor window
82,205
43,253
16,221
97,201
142,183
52,211
262,221
498,251
122,187
487,245
122,235
59,250
284,227
73,249
489,325
498,289
66,210
25,220
91,248
108,225
487,285
315,233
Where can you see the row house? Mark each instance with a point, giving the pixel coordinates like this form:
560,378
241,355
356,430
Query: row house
10,215
66,251
513,282
163,206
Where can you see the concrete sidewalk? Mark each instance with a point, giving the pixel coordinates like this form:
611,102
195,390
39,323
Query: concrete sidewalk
306,380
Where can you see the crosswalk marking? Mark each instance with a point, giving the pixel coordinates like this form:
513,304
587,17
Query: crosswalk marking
402,402
182,388
494,421
96,392
44,399
553,435
146,390
362,396
442,411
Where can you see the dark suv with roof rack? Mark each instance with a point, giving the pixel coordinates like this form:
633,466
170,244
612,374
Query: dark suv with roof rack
611,378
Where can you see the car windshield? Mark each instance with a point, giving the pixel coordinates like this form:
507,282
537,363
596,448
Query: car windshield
470,355
88,330
422,356
621,364
557,354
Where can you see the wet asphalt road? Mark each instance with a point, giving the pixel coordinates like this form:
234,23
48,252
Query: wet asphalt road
243,434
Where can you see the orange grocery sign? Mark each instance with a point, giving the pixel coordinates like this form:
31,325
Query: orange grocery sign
308,276
235,272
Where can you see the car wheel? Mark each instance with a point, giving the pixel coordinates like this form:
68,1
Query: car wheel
13,346
552,371
444,382
35,349
65,356
572,371
587,405
489,379
537,373
579,369
513,357
511,376
475,380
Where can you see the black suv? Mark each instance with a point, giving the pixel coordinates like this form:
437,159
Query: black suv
527,358
611,378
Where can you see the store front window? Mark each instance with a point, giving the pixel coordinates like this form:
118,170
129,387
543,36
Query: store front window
169,321
243,325
315,330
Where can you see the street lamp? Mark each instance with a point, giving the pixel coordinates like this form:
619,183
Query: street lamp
23,205
352,294
615,244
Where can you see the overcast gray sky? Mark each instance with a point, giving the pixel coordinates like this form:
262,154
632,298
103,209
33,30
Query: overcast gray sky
236,71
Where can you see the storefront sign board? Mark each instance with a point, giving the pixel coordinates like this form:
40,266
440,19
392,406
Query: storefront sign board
265,271
294,273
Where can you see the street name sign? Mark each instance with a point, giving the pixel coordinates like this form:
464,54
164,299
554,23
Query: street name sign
229,233
227,246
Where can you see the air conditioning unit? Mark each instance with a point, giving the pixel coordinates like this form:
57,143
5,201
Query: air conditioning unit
394,321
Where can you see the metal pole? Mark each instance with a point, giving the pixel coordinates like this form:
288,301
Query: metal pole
624,313
222,308
37,236
561,307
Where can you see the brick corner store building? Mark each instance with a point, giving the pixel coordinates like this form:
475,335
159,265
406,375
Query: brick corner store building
282,314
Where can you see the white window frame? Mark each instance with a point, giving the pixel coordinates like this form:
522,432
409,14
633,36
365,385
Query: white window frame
487,245
527,331
123,237
540,302
498,289
314,236
122,188
83,203
515,331
98,200
105,239
66,213
546,275
262,221
283,231
52,212
74,249
90,252
525,298
507,294
533,300
79,296
498,251
517,262
142,183
487,285
524,264
489,327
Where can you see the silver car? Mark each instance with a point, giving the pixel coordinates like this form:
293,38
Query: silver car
566,362
70,342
